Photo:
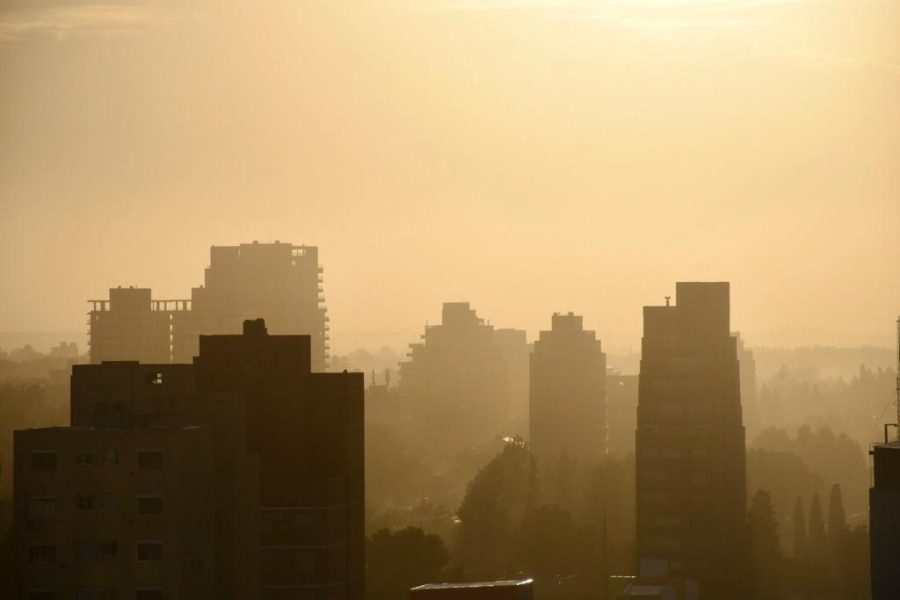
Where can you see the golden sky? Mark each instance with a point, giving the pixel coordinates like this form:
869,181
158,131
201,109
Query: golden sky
529,156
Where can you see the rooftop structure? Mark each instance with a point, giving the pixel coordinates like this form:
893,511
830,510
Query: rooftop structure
512,589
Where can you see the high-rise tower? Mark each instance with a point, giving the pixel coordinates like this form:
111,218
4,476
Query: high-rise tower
691,496
568,393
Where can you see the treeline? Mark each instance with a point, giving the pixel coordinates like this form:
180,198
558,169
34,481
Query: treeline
828,557
857,406
568,527
571,526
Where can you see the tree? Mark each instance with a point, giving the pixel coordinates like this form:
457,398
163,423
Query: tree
399,560
550,542
801,541
837,523
491,514
853,563
766,557
817,536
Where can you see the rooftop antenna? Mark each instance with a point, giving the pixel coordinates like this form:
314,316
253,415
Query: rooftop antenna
667,300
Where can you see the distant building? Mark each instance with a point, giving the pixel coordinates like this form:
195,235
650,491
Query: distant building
567,393
691,498
279,282
237,476
884,522
515,350
621,412
129,326
514,589
460,381
748,385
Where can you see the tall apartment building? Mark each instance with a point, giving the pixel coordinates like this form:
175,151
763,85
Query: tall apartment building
884,521
691,497
279,282
237,476
567,393
461,380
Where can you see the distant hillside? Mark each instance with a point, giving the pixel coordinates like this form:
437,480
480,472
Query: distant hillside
825,361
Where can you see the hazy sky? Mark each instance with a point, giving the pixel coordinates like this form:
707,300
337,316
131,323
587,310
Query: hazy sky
529,156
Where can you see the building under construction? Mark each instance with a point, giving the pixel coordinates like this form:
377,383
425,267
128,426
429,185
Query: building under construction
279,282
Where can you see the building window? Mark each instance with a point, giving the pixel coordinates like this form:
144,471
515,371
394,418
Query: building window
42,553
87,549
44,462
109,502
149,551
149,594
150,505
109,457
109,549
84,458
41,508
42,595
98,593
101,593
156,378
85,502
150,460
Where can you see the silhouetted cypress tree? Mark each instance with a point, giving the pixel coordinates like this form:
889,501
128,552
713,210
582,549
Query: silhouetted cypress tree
837,522
818,541
767,559
801,541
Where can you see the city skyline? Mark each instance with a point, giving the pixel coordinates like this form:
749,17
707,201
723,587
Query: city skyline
658,142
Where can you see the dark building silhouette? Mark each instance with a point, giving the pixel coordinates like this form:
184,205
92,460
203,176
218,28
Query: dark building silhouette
460,380
279,282
884,526
237,476
691,497
567,393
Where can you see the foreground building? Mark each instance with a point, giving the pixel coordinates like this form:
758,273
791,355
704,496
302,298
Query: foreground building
884,525
690,442
568,394
279,282
237,476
